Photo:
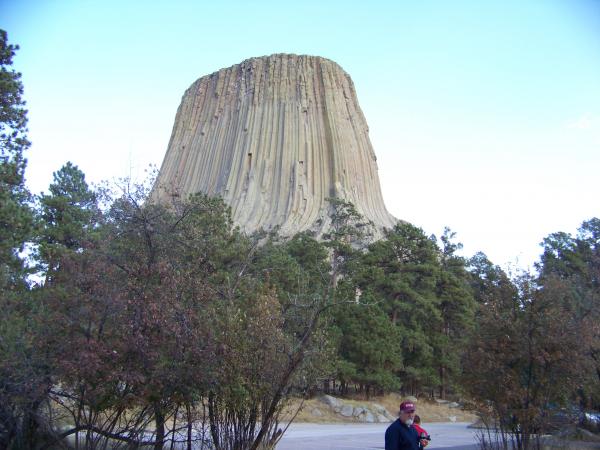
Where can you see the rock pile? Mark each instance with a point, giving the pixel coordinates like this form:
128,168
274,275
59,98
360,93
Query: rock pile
370,413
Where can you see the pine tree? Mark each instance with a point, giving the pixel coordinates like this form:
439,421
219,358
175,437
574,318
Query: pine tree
23,374
488,281
348,235
575,261
68,214
457,307
403,274
16,217
369,347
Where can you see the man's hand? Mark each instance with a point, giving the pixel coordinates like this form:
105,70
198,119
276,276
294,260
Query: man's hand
424,442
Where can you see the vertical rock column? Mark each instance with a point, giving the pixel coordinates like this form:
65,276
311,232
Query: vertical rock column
275,136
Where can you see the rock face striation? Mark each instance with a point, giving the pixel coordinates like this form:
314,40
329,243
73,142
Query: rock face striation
275,137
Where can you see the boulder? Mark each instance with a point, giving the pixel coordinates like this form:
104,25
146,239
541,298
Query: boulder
316,412
358,410
331,401
379,408
347,410
369,417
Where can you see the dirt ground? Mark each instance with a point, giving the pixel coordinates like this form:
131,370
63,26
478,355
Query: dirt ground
428,411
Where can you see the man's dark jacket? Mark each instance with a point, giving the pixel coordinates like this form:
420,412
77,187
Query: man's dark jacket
400,437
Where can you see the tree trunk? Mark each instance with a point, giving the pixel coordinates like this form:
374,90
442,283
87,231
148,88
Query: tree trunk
30,426
189,426
212,417
442,382
159,420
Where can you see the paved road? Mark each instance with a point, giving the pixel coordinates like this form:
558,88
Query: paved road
306,436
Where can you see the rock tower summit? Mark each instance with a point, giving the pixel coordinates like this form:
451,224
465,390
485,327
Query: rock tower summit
275,136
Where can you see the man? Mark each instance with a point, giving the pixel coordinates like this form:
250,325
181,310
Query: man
400,435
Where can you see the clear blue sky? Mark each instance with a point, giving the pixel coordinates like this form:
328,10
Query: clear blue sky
484,115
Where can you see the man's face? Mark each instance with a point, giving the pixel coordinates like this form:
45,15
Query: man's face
407,415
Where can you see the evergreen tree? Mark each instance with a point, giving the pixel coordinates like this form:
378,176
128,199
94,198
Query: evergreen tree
574,258
68,214
488,281
347,237
457,307
297,266
403,274
369,348
16,217
23,366
575,261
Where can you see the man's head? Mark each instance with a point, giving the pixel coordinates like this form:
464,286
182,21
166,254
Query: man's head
407,413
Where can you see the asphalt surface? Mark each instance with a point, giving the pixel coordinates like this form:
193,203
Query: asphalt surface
307,436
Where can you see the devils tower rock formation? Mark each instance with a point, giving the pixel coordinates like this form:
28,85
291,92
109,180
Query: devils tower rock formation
275,137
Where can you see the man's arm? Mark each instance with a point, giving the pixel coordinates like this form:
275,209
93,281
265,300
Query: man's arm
392,439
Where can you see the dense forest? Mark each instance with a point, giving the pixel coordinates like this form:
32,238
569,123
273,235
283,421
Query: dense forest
121,316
